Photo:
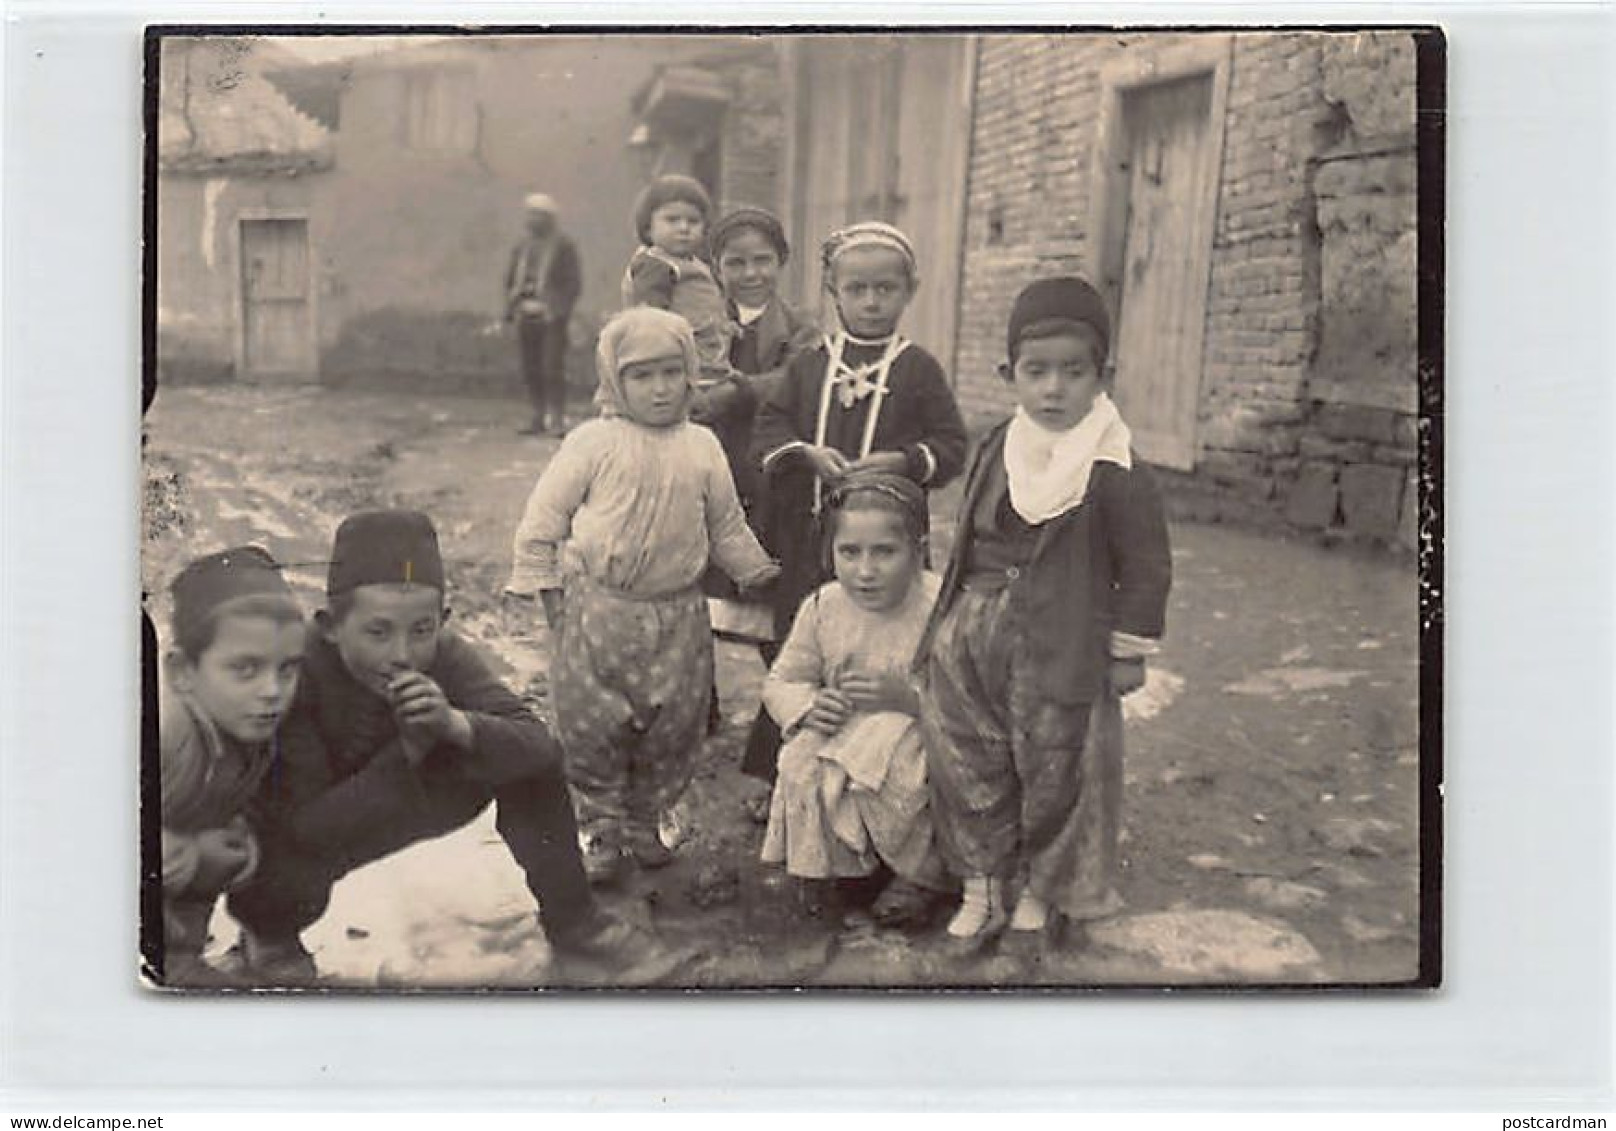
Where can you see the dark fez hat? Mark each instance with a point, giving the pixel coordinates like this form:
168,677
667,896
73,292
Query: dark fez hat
384,548
211,580
1066,299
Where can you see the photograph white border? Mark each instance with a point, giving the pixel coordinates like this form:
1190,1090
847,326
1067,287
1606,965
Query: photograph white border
1525,1015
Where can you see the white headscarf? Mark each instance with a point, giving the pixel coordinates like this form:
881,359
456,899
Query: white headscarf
1048,471
640,333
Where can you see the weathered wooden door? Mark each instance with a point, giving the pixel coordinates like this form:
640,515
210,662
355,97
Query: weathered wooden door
277,315
1163,279
881,133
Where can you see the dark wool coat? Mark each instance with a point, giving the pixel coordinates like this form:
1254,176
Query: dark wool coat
340,747
560,288
758,355
919,408
1102,567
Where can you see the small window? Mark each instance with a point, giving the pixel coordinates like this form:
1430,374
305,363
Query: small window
440,111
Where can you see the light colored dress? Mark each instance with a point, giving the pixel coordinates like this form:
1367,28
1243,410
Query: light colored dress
845,803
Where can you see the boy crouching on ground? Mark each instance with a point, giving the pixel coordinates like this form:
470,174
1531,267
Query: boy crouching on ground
399,733
232,671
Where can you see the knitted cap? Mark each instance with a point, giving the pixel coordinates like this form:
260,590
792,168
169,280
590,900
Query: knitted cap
1066,299
383,548
667,189
211,580
757,219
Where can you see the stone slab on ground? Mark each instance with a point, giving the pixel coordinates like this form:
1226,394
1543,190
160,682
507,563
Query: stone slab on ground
1213,945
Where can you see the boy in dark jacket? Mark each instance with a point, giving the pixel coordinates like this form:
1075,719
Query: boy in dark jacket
399,733
1055,594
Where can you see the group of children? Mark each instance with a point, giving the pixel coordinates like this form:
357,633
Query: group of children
953,741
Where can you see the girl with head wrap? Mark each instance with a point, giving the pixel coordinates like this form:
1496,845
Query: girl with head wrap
614,539
865,398
851,795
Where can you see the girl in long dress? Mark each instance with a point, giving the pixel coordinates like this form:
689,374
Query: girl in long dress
851,794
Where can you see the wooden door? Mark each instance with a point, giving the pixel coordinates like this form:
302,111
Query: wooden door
882,131
1162,283
277,318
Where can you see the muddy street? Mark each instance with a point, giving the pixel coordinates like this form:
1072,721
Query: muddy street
1271,798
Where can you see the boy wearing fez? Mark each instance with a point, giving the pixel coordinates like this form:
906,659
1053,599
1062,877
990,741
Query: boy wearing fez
399,733
232,672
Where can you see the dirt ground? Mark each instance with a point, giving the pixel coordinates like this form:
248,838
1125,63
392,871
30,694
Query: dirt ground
1271,807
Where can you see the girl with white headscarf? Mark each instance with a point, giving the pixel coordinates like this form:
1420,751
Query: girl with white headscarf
615,536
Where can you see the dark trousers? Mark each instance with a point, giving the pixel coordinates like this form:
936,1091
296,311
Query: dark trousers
543,347
534,816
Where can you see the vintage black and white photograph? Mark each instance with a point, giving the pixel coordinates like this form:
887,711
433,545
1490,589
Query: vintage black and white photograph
791,509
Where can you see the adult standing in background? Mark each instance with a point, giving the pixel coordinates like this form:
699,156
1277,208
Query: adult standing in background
542,284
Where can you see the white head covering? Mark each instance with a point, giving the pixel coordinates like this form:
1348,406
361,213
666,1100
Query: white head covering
541,202
1048,472
640,333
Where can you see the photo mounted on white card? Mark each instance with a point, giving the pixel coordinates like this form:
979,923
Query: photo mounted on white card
761,509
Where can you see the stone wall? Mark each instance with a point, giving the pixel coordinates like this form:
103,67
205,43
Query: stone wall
1308,380
1359,446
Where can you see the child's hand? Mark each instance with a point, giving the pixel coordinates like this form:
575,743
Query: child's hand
883,691
893,463
759,585
424,713
829,712
224,855
713,402
828,463
1127,676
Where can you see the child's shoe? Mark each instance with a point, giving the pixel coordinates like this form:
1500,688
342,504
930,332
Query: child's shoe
602,857
192,972
1031,933
626,955
905,903
646,846
260,960
980,920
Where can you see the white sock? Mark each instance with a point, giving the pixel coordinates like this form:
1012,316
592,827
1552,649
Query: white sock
1032,914
977,908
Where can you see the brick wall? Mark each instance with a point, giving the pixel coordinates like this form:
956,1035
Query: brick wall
754,132
1312,258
